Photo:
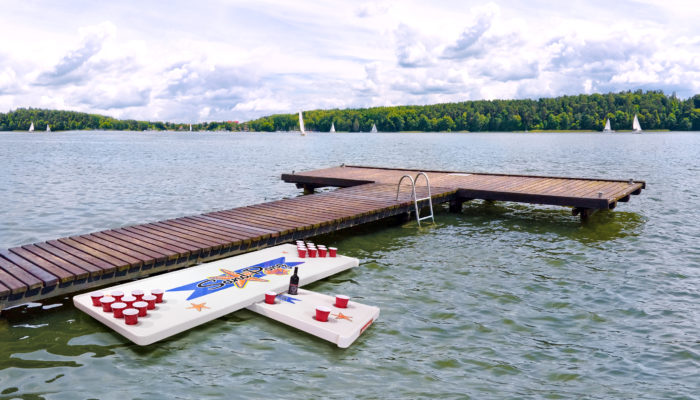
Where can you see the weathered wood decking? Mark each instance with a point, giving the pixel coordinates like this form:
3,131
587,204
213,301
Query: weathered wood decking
584,195
72,264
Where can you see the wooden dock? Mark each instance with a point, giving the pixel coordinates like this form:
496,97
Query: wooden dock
72,264
583,195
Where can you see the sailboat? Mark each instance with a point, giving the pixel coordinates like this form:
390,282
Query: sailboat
48,128
607,128
301,125
374,128
31,127
636,128
332,128
190,127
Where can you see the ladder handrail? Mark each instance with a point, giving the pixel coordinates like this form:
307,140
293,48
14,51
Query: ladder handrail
413,187
429,198
414,196
427,182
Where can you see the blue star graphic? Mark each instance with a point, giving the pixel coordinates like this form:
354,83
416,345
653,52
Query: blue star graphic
212,284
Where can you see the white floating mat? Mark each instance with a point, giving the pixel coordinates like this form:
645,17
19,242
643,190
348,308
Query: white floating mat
208,291
344,325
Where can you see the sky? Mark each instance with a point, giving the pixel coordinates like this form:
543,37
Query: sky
222,60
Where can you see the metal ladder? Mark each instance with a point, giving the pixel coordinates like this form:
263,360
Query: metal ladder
413,195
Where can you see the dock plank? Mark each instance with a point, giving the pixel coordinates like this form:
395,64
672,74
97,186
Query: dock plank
120,263
173,252
244,234
121,252
47,279
156,253
4,290
184,232
12,283
29,257
175,236
58,247
73,269
91,268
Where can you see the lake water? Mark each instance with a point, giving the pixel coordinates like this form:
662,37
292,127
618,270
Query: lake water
501,301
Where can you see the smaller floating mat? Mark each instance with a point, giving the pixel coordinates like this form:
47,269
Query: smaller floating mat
343,326
200,294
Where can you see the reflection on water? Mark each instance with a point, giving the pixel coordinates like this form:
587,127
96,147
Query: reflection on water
501,300
601,226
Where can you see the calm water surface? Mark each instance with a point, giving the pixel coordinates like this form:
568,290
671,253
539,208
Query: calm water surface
501,301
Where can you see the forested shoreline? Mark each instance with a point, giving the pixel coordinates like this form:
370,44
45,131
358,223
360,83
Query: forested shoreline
655,110
22,118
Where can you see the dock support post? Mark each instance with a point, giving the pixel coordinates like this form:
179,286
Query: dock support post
308,188
584,213
456,205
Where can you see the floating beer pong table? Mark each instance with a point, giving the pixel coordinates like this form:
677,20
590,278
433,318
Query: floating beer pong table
199,294
344,325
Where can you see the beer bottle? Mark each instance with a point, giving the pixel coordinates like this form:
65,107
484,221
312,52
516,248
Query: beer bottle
294,282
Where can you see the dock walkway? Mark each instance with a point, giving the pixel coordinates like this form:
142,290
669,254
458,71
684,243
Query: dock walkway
584,195
72,264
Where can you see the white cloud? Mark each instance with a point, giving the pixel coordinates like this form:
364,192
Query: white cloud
411,51
470,43
70,68
237,60
8,80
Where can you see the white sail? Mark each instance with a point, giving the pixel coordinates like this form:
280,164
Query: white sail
48,128
332,127
607,126
190,127
635,124
301,125
374,128
31,127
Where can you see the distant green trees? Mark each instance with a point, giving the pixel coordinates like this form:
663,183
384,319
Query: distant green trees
655,110
22,118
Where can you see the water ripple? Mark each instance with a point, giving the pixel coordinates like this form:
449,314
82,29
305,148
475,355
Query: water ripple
502,301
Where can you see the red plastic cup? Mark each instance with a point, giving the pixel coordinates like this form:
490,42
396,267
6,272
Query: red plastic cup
159,295
107,303
270,297
312,252
138,294
151,300
131,316
117,294
302,252
96,296
128,300
332,251
118,309
310,244
341,301
322,313
322,252
142,306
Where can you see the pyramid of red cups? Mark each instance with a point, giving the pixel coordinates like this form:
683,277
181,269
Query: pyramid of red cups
308,249
130,307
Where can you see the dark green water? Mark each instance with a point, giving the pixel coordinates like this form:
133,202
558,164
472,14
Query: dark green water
501,301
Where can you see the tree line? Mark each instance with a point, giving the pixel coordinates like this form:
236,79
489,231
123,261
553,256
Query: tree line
655,111
22,118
